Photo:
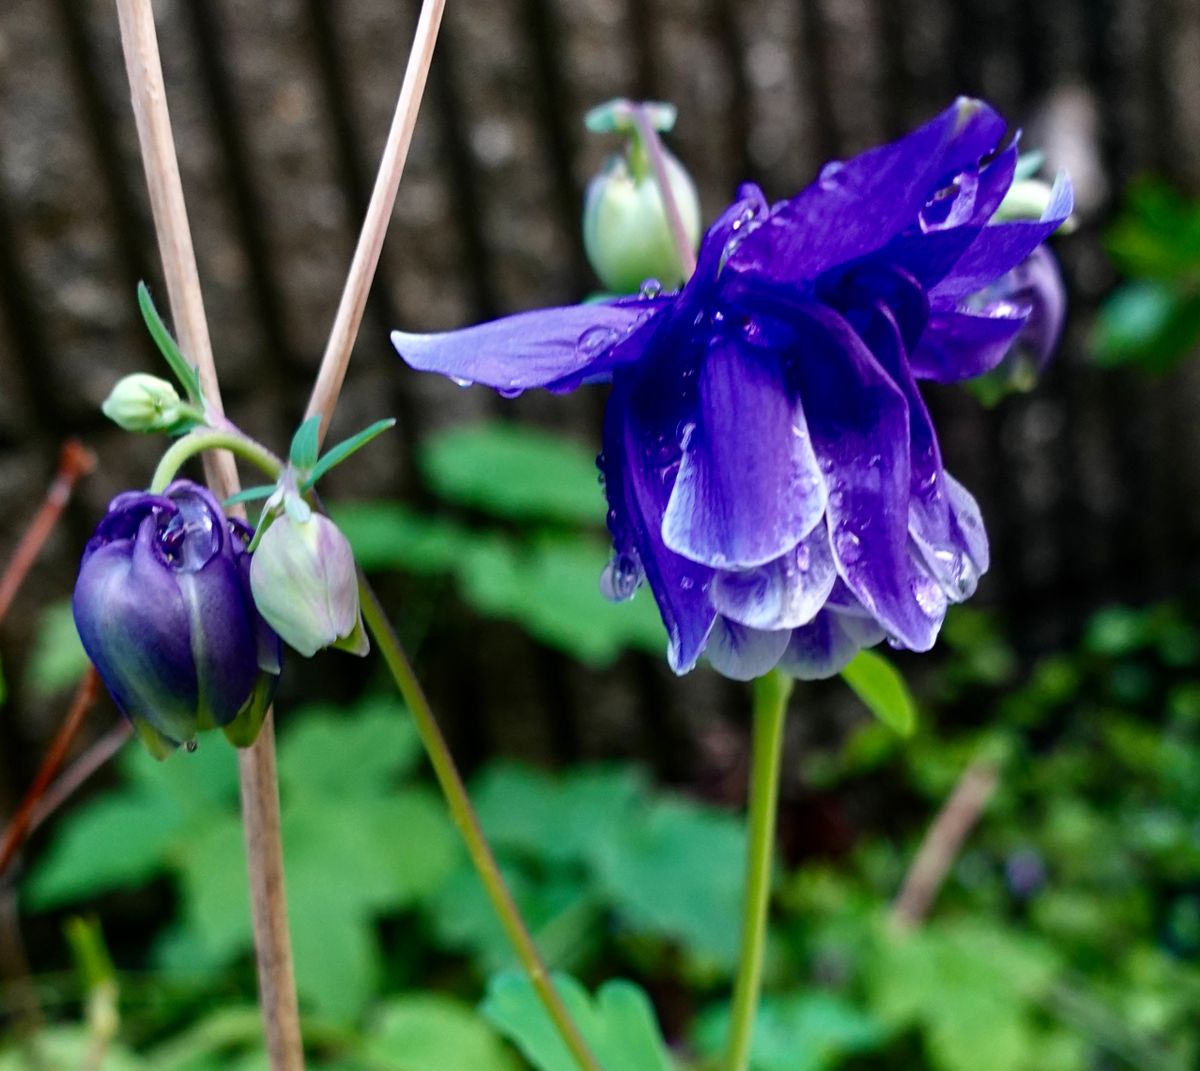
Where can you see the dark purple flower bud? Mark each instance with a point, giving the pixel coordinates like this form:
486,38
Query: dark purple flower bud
164,610
771,468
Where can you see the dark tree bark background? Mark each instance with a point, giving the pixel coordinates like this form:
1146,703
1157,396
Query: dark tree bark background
1090,486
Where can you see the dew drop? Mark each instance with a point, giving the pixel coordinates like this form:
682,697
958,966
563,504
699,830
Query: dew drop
929,596
849,546
830,177
595,340
462,382
510,392
686,583
651,288
803,558
191,745
620,578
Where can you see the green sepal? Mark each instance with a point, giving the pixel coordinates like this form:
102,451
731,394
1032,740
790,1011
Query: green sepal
337,454
160,746
1028,164
244,729
187,375
306,443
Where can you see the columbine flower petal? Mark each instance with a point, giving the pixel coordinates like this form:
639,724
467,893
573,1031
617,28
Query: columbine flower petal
771,467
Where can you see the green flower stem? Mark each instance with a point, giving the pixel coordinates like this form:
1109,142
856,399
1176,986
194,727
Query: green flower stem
467,821
652,144
771,694
196,442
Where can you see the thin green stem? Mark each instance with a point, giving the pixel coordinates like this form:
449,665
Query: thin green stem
467,821
770,708
658,164
196,442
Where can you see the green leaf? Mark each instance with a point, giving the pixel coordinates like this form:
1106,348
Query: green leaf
557,818
883,691
306,443
618,1024
814,1031
515,473
184,372
337,454
57,1048
386,535
677,874
251,494
428,1032
551,588
117,842
58,659
327,753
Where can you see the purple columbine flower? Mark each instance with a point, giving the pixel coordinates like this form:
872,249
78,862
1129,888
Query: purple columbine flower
164,610
771,469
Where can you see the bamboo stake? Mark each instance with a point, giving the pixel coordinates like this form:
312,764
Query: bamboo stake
256,765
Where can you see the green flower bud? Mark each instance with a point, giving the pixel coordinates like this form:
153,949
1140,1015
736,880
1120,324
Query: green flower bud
304,582
626,233
142,402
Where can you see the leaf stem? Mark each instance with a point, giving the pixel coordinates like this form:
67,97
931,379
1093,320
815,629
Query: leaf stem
197,442
771,694
464,816
658,164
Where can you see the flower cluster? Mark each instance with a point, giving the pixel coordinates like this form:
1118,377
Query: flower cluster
771,468
164,610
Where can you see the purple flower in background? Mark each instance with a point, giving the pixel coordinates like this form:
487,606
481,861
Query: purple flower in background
771,469
164,610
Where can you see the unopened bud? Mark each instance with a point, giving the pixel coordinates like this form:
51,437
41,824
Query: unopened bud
305,584
626,231
145,403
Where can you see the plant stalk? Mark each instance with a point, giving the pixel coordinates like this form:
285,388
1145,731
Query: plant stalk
205,439
467,821
256,765
771,694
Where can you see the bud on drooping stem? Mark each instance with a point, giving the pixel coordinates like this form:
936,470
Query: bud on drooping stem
145,403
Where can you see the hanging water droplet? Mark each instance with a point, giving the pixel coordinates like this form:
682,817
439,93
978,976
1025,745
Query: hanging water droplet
595,340
849,546
929,596
462,382
620,578
191,745
830,177
651,288
510,392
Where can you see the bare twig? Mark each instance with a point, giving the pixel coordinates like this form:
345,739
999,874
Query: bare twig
256,765
74,461
18,828
943,841
379,212
79,772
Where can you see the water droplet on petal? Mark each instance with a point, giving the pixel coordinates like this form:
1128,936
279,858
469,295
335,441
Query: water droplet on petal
191,537
849,546
620,578
651,288
191,745
687,583
595,340
830,177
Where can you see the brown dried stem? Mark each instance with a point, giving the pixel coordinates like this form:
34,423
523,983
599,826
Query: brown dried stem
74,461
18,828
943,842
256,765
353,302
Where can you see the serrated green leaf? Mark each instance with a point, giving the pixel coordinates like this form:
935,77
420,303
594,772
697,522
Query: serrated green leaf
514,472
676,874
618,1024
58,659
428,1032
184,372
814,1031
324,752
337,454
882,690
551,588
117,842
306,443
387,535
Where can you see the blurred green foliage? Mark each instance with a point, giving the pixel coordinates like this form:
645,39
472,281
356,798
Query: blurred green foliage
1152,321
1066,938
